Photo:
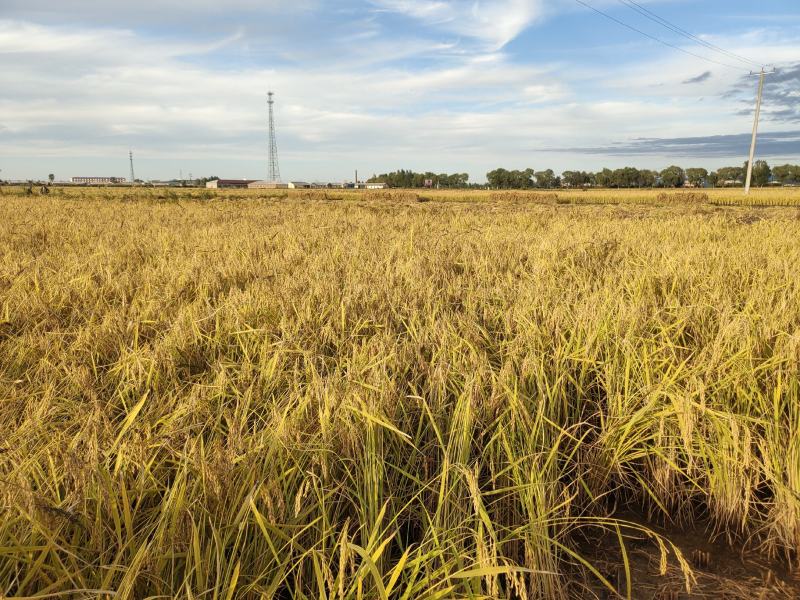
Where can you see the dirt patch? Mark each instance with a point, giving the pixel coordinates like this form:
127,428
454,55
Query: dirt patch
718,570
748,219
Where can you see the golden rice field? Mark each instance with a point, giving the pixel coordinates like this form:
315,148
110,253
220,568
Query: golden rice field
333,395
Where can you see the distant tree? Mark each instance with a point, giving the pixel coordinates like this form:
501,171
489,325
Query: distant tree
51,178
409,179
577,178
626,177
546,179
647,178
524,179
503,179
696,176
713,179
730,176
786,173
673,176
571,178
761,173
604,178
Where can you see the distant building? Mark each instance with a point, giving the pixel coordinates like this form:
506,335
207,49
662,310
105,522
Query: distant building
229,183
267,185
362,185
299,185
97,180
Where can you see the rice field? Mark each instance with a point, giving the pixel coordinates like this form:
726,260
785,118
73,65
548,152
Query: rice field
396,395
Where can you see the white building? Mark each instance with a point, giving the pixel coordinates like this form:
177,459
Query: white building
267,185
228,183
98,180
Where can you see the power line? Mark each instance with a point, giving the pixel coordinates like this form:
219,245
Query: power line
649,14
659,40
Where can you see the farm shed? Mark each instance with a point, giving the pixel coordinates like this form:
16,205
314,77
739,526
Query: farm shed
229,183
267,185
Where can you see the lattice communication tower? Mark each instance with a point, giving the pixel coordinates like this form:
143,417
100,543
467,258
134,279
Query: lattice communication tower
274,171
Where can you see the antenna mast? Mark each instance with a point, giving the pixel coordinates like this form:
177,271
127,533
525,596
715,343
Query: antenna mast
274,175
133,177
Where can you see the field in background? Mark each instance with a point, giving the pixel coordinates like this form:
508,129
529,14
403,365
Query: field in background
223,394
714,197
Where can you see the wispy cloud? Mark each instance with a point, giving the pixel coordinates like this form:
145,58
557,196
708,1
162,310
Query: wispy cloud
495,23
698,79
784,143
781,97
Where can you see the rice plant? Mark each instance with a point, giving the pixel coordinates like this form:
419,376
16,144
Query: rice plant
353,397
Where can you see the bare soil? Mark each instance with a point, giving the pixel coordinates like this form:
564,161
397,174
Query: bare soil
719,570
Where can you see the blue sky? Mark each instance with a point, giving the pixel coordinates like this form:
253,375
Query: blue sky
377,85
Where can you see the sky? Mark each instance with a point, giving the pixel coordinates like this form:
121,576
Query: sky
379,85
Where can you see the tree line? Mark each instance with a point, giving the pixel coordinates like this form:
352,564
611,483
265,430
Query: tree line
631,177
626,177
410,179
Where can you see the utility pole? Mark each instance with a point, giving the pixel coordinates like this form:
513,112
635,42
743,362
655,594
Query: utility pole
755,132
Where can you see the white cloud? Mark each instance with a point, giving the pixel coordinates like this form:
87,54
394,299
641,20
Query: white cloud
495,22
379,101
101,45
95,92
108,11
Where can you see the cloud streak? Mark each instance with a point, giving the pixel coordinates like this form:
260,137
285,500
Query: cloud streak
495,23
781,97
786,143
698,79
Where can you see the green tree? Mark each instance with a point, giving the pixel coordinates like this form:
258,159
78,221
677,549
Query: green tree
604,178
626,177
51,178
577,178
786,173
729,176
761,173
546,179
697,176
647,178
409,179
673,176
503,179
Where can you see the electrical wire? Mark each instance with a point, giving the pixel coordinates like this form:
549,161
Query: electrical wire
649,14
659,40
